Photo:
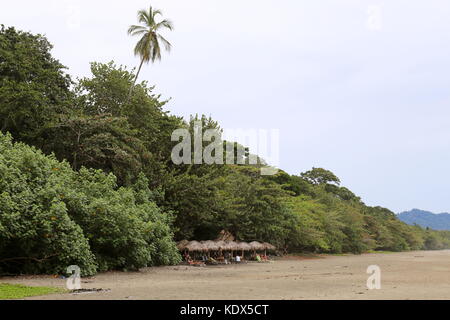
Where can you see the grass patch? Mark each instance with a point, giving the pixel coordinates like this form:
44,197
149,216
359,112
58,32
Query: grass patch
17,291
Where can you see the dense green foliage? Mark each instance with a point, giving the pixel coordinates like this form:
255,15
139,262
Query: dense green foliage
332,219
33,87
103,193
52,217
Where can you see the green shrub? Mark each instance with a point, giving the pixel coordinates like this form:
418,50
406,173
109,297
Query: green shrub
52,217
38,235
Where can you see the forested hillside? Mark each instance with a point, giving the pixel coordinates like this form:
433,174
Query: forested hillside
426,219
86,178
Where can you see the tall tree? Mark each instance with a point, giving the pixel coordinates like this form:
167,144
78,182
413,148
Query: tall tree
318,176
34,88
148,47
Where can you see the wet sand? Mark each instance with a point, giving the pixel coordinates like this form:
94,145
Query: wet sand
411,275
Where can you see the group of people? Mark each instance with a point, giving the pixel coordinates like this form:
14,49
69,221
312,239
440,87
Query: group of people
226,258
261,258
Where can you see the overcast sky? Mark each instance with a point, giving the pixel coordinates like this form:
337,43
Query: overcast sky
358,87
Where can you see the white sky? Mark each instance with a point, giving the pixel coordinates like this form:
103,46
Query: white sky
365,97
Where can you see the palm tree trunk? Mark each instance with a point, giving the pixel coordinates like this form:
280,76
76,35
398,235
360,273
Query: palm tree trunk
135,79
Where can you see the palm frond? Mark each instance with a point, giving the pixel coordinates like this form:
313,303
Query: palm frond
138,33
166,43
143,48
152,14
144,17
156,13
164,24
156,52
136,30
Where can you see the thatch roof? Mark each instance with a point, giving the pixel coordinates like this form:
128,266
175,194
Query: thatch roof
225,236
182,245
244,246
221,245
230,245
255,245
210,245
268,246
195,246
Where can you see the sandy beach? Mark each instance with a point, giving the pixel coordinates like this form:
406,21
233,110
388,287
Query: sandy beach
411,275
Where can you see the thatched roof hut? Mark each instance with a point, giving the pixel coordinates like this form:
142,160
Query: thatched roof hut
195,246
182,245
221,244
230,245
268,246
225,236
244,246
210,245
255,245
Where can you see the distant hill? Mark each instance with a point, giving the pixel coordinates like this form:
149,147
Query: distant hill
426,219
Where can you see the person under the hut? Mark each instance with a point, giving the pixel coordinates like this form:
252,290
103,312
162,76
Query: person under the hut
187,257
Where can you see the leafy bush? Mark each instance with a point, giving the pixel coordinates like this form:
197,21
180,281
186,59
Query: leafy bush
52,217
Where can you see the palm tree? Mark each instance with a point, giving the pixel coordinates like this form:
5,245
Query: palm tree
148,47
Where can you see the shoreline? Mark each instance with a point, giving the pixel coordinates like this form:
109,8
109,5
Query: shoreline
405,275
